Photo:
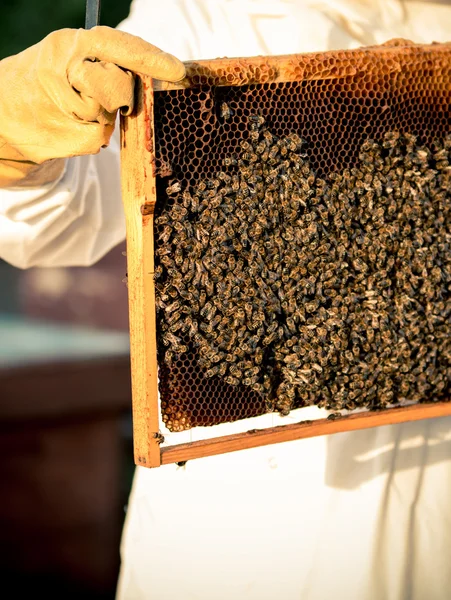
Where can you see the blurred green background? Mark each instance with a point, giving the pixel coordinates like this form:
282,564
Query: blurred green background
26,22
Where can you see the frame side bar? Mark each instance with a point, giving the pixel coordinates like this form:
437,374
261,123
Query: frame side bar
287,433
139,197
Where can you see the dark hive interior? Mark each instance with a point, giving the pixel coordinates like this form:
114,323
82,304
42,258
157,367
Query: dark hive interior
362,115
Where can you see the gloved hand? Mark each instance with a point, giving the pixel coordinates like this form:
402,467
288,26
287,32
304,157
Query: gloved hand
60,97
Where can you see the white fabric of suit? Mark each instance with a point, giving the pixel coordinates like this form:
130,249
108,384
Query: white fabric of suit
355,516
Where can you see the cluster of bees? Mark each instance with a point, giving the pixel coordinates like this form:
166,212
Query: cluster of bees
333,291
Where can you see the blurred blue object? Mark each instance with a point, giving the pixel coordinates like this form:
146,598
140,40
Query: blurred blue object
92,13
25,341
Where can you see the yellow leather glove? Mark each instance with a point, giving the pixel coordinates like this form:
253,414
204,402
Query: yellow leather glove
60,97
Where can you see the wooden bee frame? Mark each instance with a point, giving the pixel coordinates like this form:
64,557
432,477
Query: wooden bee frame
140,197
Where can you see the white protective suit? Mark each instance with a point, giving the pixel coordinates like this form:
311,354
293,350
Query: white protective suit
355,516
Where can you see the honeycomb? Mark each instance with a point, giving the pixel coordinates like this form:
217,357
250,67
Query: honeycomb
335,101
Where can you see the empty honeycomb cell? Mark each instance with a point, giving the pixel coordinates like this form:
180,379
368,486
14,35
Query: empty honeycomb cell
336,103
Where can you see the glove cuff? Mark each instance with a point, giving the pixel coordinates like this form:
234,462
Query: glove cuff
15,171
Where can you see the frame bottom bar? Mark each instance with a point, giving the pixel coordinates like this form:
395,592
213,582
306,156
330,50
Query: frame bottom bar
304,429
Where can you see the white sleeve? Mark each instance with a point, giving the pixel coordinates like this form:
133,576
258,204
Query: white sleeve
74,221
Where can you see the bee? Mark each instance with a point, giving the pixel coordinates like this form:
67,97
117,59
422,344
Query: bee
257,120
171,339
222,369
269,339
169,357
162,220
251,157
236,372
273,151
269,402
174,314
334,416
158,272
173,188
246,146
208,311
235,183
159,437
186,199
226,112
252,372
166,234
174,306
292,360
195,203
212,371
261,147
254,135
224,177
230,161
268,137
294,142
201,187
259,355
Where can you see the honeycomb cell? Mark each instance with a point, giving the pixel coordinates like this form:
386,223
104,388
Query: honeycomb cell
338,101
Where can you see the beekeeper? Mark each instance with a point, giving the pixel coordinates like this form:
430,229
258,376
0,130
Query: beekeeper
355,516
